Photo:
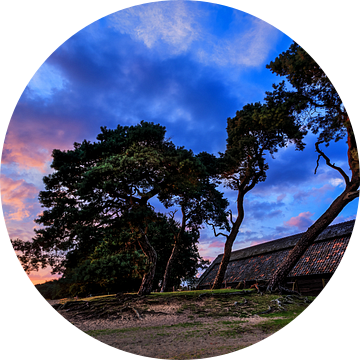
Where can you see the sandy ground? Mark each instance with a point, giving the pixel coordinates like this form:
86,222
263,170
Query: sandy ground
167,334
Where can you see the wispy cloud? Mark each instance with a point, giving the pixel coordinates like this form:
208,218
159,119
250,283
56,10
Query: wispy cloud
170,23
249,48
337,182
45,81
314,193
173,28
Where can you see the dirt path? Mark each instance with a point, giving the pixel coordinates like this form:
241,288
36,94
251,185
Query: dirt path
184,342
167,331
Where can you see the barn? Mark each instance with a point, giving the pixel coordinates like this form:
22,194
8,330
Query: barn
310,274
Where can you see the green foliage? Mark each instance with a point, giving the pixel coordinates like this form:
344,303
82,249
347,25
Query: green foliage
117,263
318,101
320,107
93,186
257,130
97,210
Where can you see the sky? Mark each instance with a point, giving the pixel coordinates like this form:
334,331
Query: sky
188,66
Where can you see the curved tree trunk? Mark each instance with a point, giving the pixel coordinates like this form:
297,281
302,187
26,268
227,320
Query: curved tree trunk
174,252
229,242
349,194
308,238
169,265
148,278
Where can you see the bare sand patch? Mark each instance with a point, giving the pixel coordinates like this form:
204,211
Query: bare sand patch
166,331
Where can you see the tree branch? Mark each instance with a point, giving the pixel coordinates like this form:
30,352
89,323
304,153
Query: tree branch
172,214
218,234
351,195
254,181
327,160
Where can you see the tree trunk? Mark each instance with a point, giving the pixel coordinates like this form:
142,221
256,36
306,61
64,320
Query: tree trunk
148,278
310,235
174,252
169,264
229,242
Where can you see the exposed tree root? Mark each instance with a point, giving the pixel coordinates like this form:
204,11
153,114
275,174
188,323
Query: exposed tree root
133,309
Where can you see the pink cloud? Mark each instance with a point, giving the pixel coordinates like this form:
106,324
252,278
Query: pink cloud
280,197
302,221
216,244
14,194
30,145
24,154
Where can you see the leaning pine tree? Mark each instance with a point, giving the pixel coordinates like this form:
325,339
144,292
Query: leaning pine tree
323,113
256,130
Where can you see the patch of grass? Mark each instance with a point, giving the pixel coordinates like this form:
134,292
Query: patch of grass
208,352
153,301
215,307
232,332
191,334
272,325
100,297
187,324
290,314
191,293
234,322
95,333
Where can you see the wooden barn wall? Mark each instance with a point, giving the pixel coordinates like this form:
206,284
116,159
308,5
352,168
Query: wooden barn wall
309,285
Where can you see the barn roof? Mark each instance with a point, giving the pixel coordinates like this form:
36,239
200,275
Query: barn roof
259,262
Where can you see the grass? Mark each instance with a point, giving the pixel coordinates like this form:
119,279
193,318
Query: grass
156,297
216,307
204,353
96,333
228,328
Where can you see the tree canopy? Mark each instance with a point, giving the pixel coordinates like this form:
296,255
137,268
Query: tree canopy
319,105
99,194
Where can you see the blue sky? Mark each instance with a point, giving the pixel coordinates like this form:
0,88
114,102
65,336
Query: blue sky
186,65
